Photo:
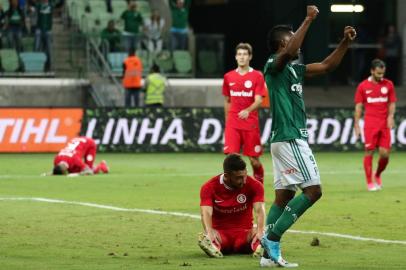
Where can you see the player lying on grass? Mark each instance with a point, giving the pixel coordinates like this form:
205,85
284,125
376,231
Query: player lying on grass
226,203
77,158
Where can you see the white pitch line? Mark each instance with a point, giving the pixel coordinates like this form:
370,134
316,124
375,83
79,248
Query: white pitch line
180,214
393,172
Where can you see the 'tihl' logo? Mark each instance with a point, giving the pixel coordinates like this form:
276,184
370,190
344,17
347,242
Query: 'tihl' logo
18,130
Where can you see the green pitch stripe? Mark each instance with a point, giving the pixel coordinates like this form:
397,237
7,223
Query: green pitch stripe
299,160
302,159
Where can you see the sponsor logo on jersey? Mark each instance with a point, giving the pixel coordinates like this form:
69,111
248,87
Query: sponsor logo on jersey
218,201
241,198
231,83
384,90
297,87
368,92
377,100
248,84
241,93
304,133
289,171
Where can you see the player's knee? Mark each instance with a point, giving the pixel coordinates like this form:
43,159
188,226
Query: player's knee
384,153
314,194
317,195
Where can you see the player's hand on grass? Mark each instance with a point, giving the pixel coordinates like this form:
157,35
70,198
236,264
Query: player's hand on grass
243,114
257,237
350,33
214,237
312,12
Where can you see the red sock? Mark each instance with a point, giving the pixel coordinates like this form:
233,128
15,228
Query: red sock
382,162
368,168
259,173
96,169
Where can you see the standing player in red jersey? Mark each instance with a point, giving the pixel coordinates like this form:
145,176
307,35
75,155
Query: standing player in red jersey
378,96
243,89
226,203
77,157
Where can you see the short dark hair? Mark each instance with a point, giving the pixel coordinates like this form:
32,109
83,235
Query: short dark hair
58,170
234,162
244,46
155,68
377,63
275,36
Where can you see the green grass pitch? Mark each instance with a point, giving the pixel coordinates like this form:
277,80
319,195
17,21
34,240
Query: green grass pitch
42,235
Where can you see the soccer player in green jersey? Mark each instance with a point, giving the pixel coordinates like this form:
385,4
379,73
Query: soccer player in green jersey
293,162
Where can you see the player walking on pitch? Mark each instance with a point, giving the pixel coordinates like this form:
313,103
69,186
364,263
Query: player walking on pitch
378,96
293,162
243,89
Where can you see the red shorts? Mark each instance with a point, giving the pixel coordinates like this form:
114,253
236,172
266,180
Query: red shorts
250,141
377,137
237,241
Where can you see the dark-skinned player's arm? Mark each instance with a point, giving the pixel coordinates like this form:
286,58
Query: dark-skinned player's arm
334,59
207,214
289,52
357,117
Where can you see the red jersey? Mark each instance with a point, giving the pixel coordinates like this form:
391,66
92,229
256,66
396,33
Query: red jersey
242,90
78,153
232,209
375,97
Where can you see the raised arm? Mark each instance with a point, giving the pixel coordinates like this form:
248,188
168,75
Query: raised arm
290,51
334,59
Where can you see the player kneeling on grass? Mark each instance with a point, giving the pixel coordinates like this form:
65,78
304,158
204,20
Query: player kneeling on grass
226,203
77,158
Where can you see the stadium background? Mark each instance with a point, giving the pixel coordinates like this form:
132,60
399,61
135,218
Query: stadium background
43,221
83,75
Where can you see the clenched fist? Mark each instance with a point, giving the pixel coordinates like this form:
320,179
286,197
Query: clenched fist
312,12
349,33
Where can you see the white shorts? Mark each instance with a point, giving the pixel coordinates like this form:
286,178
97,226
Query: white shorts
294,165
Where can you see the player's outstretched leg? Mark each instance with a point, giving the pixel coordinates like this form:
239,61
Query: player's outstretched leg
293,210
274,250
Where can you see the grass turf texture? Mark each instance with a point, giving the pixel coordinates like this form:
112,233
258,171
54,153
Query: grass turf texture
39,235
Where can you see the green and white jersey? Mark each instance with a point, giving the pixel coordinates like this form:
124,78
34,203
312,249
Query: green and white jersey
286,98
